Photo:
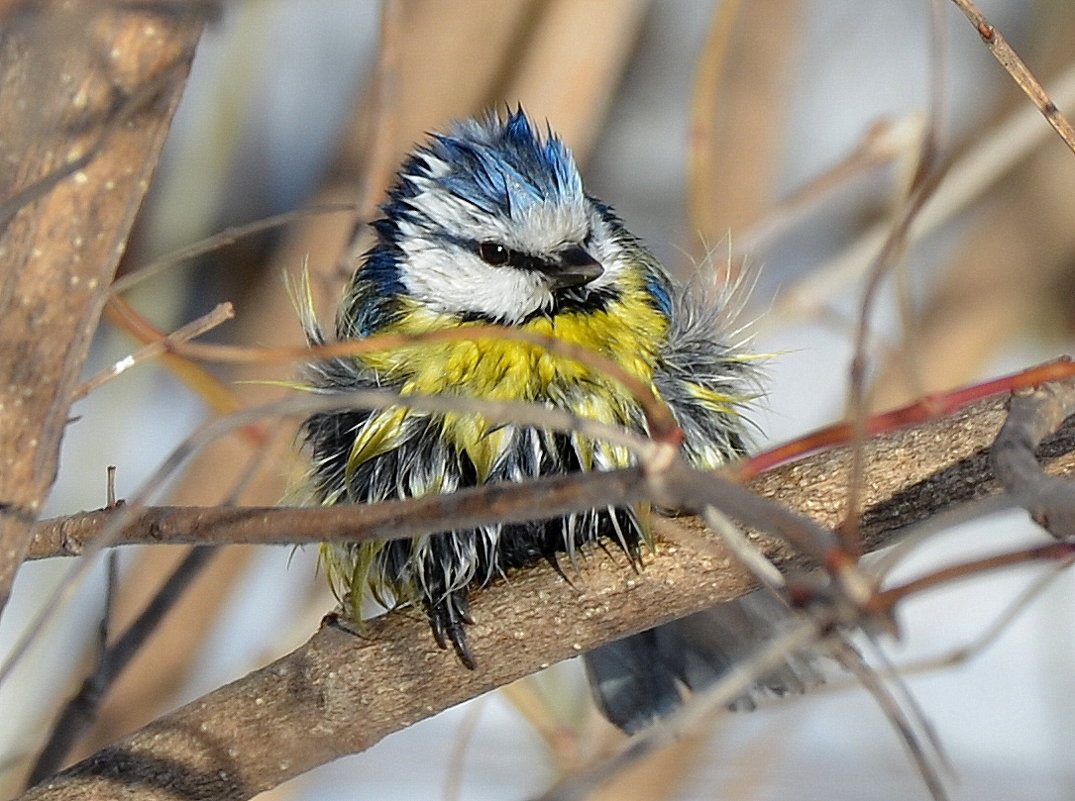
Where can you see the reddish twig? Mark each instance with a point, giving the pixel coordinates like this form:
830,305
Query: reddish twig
1054,551
931,407
222,313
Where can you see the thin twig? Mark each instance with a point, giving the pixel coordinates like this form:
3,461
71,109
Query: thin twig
220,397
931,407
993,631
228,236
968,177
1019,71
279,525
747,552
1054,551
1032,415
701,706
222,313
880,144
892,711
81,710
659,419
922,185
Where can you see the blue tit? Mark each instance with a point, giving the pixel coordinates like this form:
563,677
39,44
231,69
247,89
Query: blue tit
488,223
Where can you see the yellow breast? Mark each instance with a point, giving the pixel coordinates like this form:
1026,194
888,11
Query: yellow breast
629,331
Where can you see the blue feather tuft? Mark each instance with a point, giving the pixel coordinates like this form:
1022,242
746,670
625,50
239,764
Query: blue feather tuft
502,166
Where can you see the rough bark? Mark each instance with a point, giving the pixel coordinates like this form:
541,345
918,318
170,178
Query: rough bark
93,89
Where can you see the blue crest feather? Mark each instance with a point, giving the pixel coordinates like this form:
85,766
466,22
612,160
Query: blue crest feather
503,166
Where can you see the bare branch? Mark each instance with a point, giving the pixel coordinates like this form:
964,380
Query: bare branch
1032,415
346,691
902,723
195,328
64,229
1019,71
553,497
969,176
228,236
913,474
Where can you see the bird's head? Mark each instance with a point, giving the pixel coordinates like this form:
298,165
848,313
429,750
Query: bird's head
489,222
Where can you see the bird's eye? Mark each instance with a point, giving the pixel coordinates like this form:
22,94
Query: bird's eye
493,253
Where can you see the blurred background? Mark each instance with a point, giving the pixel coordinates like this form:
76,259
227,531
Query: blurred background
780,137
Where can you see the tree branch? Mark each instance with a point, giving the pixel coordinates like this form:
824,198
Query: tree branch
94,89
345,691
913,473
1034,414
277,525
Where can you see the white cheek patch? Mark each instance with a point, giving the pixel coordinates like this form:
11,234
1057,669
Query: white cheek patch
461,283
439,272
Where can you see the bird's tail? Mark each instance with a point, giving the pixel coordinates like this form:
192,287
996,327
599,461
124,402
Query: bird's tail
637,680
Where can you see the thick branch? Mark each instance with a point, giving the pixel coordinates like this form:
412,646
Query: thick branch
341,692
93,90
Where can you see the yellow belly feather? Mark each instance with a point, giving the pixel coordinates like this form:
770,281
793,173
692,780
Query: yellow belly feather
630,332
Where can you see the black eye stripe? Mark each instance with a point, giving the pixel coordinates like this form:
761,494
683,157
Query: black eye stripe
498,255
528,262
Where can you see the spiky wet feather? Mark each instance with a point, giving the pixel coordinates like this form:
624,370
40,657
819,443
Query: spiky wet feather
499,179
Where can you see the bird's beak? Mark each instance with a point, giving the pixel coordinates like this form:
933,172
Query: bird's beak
573,267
